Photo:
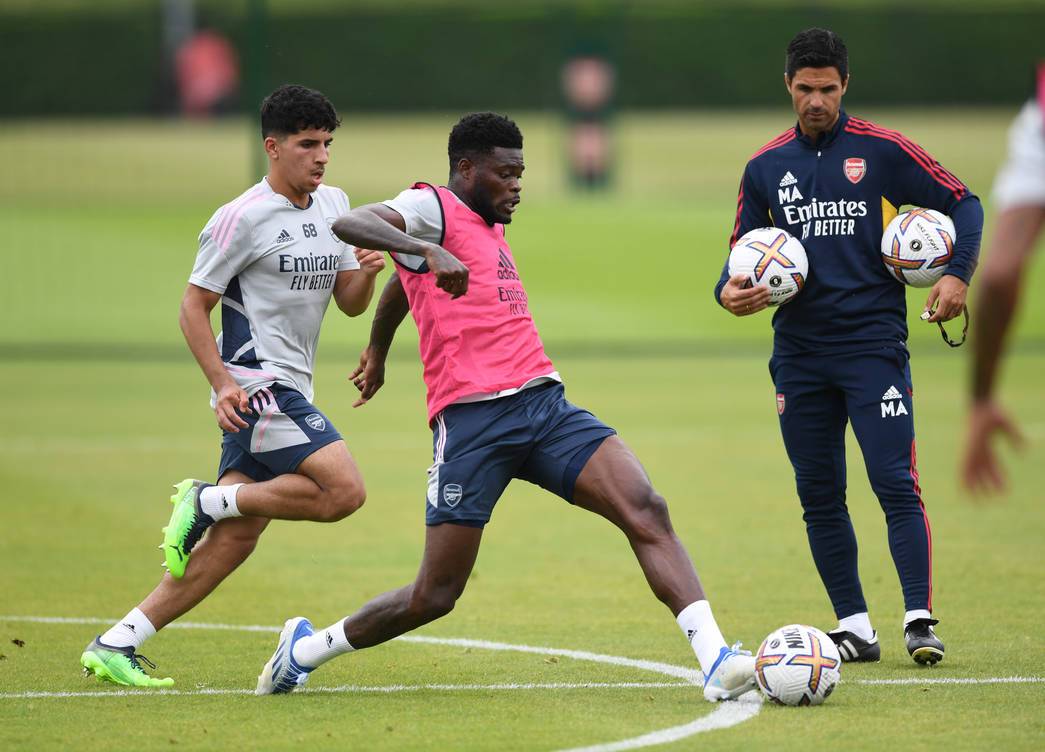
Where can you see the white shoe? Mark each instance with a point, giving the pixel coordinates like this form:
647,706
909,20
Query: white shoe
732,675
282,674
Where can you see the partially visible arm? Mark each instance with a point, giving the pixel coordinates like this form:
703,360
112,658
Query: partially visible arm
194,319
919,180
967,216
378,226
392,308
999,291
948,294
752,212
996,302
354,288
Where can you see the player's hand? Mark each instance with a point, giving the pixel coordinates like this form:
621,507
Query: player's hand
741,299
450,274
370,262
230,399
947,298
981,468
369,375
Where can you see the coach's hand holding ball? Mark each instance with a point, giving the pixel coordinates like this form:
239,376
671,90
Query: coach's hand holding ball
741,298
767,267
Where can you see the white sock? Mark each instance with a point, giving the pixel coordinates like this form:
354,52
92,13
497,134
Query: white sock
858,624
131,631
322,646
703,633
220,501
920,613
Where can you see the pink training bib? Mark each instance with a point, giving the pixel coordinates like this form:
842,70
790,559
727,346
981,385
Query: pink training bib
485,341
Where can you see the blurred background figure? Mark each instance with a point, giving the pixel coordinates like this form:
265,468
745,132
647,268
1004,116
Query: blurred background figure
588,83
1019,198
201,70
207,73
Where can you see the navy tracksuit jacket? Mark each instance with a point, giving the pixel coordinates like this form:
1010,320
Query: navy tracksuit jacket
840,352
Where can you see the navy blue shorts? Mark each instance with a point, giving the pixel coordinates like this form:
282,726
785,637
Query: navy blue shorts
283,430
535,435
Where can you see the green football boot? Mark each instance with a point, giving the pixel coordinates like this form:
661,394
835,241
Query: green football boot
119,666
188,524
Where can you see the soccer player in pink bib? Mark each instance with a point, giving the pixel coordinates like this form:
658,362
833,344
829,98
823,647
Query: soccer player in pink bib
498,411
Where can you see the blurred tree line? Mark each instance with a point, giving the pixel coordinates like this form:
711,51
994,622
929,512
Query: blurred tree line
118,57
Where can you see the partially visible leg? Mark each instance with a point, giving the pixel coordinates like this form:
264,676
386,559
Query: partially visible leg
326,487
227,546
614,485
882,412
885,430
450,552
309,474
812,423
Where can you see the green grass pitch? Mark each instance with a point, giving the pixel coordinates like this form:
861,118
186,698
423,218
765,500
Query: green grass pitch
103,409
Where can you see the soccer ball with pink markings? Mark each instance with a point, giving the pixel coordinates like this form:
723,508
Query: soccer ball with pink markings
798,665
772,257
917,246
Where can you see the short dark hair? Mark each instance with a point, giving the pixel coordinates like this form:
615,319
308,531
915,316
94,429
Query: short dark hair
291,109
817,48
481,133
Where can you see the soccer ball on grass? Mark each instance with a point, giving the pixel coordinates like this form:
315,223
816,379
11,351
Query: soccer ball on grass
798,665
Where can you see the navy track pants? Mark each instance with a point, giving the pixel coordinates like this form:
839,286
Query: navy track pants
816,397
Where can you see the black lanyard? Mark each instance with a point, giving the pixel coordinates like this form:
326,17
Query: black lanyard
965,330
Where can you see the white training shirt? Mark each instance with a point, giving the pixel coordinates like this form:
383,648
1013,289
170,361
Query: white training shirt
420,210
1021,180
423,217
274,265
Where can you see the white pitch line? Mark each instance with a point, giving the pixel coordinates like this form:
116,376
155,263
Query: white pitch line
723,716
175,625
691,675
955,680
350,689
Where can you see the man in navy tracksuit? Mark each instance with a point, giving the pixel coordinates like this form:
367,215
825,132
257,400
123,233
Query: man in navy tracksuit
840,353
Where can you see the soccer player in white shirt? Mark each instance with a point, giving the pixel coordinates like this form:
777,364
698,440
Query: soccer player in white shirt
271,260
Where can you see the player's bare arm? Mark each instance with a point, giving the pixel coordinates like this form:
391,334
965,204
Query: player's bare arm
194,319
354,289
742,300
369,375
378,226
999,292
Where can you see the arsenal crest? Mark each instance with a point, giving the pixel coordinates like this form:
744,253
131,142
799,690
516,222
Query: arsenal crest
855,168
780,404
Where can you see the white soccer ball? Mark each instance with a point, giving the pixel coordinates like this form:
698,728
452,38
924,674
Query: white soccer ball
798,665
918,245
772,257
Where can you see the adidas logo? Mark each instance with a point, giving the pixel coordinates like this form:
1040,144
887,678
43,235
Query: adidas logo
891,408
224,502
788,179
330,639
505,267
891,394
130,627
284,237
